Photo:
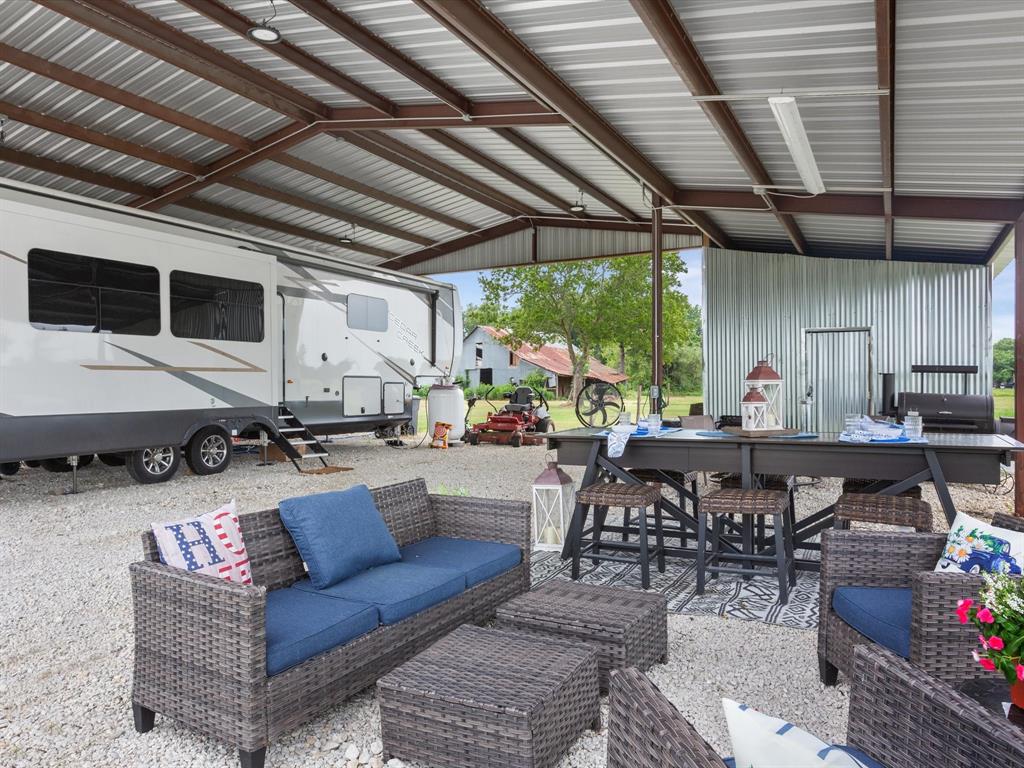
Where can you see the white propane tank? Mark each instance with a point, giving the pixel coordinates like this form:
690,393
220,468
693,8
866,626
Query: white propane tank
446,403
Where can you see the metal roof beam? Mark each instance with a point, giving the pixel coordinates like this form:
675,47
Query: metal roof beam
664,26
479,29
488,163
76,172
520,142
343,25
127,99
338,180
411,159
240,25
244,217
885,49
339,214
141,31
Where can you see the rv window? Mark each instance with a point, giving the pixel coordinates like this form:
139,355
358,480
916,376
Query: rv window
80,293
367,313
219,308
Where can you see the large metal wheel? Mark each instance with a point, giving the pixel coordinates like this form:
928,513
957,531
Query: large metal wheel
598,404
209,451
154,465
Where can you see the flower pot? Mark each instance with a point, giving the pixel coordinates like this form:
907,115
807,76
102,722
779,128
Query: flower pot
1017,693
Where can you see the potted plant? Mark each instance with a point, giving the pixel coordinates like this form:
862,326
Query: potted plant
999,617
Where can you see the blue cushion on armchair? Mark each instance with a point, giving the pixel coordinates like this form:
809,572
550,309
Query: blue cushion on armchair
338,534
479,560
881,614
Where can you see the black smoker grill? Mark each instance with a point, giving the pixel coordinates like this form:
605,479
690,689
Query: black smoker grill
946,413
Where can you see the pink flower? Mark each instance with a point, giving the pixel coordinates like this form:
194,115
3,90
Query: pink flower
983,641
1020,671
964,604
985,616
996,643
987,664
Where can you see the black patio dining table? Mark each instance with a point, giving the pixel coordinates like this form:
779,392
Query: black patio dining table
944,458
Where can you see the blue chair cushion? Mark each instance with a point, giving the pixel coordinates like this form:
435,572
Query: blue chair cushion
860,757
478,560
302,624
338,534
881,614
398,589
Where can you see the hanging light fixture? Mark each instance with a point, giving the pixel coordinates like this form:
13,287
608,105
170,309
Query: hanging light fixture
264,33
787,115
349,238
578,206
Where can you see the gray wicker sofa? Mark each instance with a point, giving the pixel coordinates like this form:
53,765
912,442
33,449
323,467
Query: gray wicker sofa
200,642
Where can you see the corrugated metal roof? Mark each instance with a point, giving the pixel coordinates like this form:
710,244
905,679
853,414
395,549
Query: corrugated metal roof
945,240
555,359
847,237
752,229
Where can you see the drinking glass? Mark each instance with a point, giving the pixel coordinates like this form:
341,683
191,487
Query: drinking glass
851,422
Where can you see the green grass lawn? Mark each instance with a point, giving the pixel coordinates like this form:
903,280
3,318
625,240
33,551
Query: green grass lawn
564,414
1004,402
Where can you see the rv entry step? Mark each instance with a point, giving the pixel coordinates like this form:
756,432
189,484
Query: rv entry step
291,433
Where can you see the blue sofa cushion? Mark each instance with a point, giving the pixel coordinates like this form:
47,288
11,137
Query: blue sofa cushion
881,614
398,589
478,560
338,534
302,624
863,759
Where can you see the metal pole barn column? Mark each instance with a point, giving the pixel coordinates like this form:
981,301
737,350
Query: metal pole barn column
1018,363
657,309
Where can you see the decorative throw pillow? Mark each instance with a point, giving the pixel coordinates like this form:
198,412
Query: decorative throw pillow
760,741
975,546
338,534
210,544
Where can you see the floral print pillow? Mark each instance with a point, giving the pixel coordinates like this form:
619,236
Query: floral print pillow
974,546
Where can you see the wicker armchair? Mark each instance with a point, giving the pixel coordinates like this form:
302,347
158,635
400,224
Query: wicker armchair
939,644
899,716
200,642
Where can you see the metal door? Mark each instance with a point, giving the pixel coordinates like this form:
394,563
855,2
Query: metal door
837,362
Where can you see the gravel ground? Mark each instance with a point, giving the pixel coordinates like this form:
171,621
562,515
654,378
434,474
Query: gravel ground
65,614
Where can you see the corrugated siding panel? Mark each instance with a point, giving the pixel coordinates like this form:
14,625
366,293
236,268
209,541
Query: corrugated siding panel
500,252
557,244
759,303
838,367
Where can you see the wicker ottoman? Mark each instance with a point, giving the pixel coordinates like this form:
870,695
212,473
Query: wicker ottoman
627,627
489,698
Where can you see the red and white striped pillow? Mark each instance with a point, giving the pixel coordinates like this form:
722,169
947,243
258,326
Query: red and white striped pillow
210,544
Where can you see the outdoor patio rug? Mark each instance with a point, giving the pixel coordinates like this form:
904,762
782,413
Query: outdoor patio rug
756,599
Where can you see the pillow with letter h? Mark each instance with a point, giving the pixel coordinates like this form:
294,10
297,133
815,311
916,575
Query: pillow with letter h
210,544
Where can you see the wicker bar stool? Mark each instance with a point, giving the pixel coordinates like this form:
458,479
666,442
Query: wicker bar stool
888,510
600,497
858,484
751,505
657,477
785,483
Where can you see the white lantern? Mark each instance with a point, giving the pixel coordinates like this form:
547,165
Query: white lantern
554,499
754,411
767,381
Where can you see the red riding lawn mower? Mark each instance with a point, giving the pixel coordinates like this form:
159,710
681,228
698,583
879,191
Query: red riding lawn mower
523,420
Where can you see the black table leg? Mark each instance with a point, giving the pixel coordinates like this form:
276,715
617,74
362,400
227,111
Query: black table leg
589,477
941,489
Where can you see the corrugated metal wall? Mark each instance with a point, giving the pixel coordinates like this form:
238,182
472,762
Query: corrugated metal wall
759,303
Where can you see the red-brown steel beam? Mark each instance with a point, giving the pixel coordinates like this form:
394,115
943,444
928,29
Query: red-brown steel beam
520,142
139,30
482,31
345,26
488,163
244,217
235,22
668,32
89,136
76,172
458,243
81,82
481,114
428,167
338,180
1018,363
657,309
885,54
330,211
607,224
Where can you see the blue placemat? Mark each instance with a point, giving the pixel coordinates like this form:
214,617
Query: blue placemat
798,436
877,440
645,432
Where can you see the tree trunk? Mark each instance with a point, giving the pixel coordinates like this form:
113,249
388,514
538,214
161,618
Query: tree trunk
622,358
577,360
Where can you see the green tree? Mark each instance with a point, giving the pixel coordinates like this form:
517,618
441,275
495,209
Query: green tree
1002,361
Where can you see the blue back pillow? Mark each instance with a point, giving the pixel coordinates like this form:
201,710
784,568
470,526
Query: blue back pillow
338,534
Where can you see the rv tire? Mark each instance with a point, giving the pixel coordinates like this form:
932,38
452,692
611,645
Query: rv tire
153,465
209,451
112,459
9,468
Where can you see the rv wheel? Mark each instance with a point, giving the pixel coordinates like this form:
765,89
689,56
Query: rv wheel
153,465
209,451
9,468
112,459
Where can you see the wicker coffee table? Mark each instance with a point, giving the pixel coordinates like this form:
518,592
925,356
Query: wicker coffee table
490,698
628,628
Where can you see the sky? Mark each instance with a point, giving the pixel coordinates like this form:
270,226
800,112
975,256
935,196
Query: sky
1002,291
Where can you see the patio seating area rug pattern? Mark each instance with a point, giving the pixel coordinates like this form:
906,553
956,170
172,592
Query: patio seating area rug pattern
755,599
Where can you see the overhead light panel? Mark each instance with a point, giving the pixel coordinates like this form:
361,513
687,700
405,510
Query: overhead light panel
578,206
787,115
264,33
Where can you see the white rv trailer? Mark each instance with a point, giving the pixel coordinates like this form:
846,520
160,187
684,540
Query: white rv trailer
140,337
